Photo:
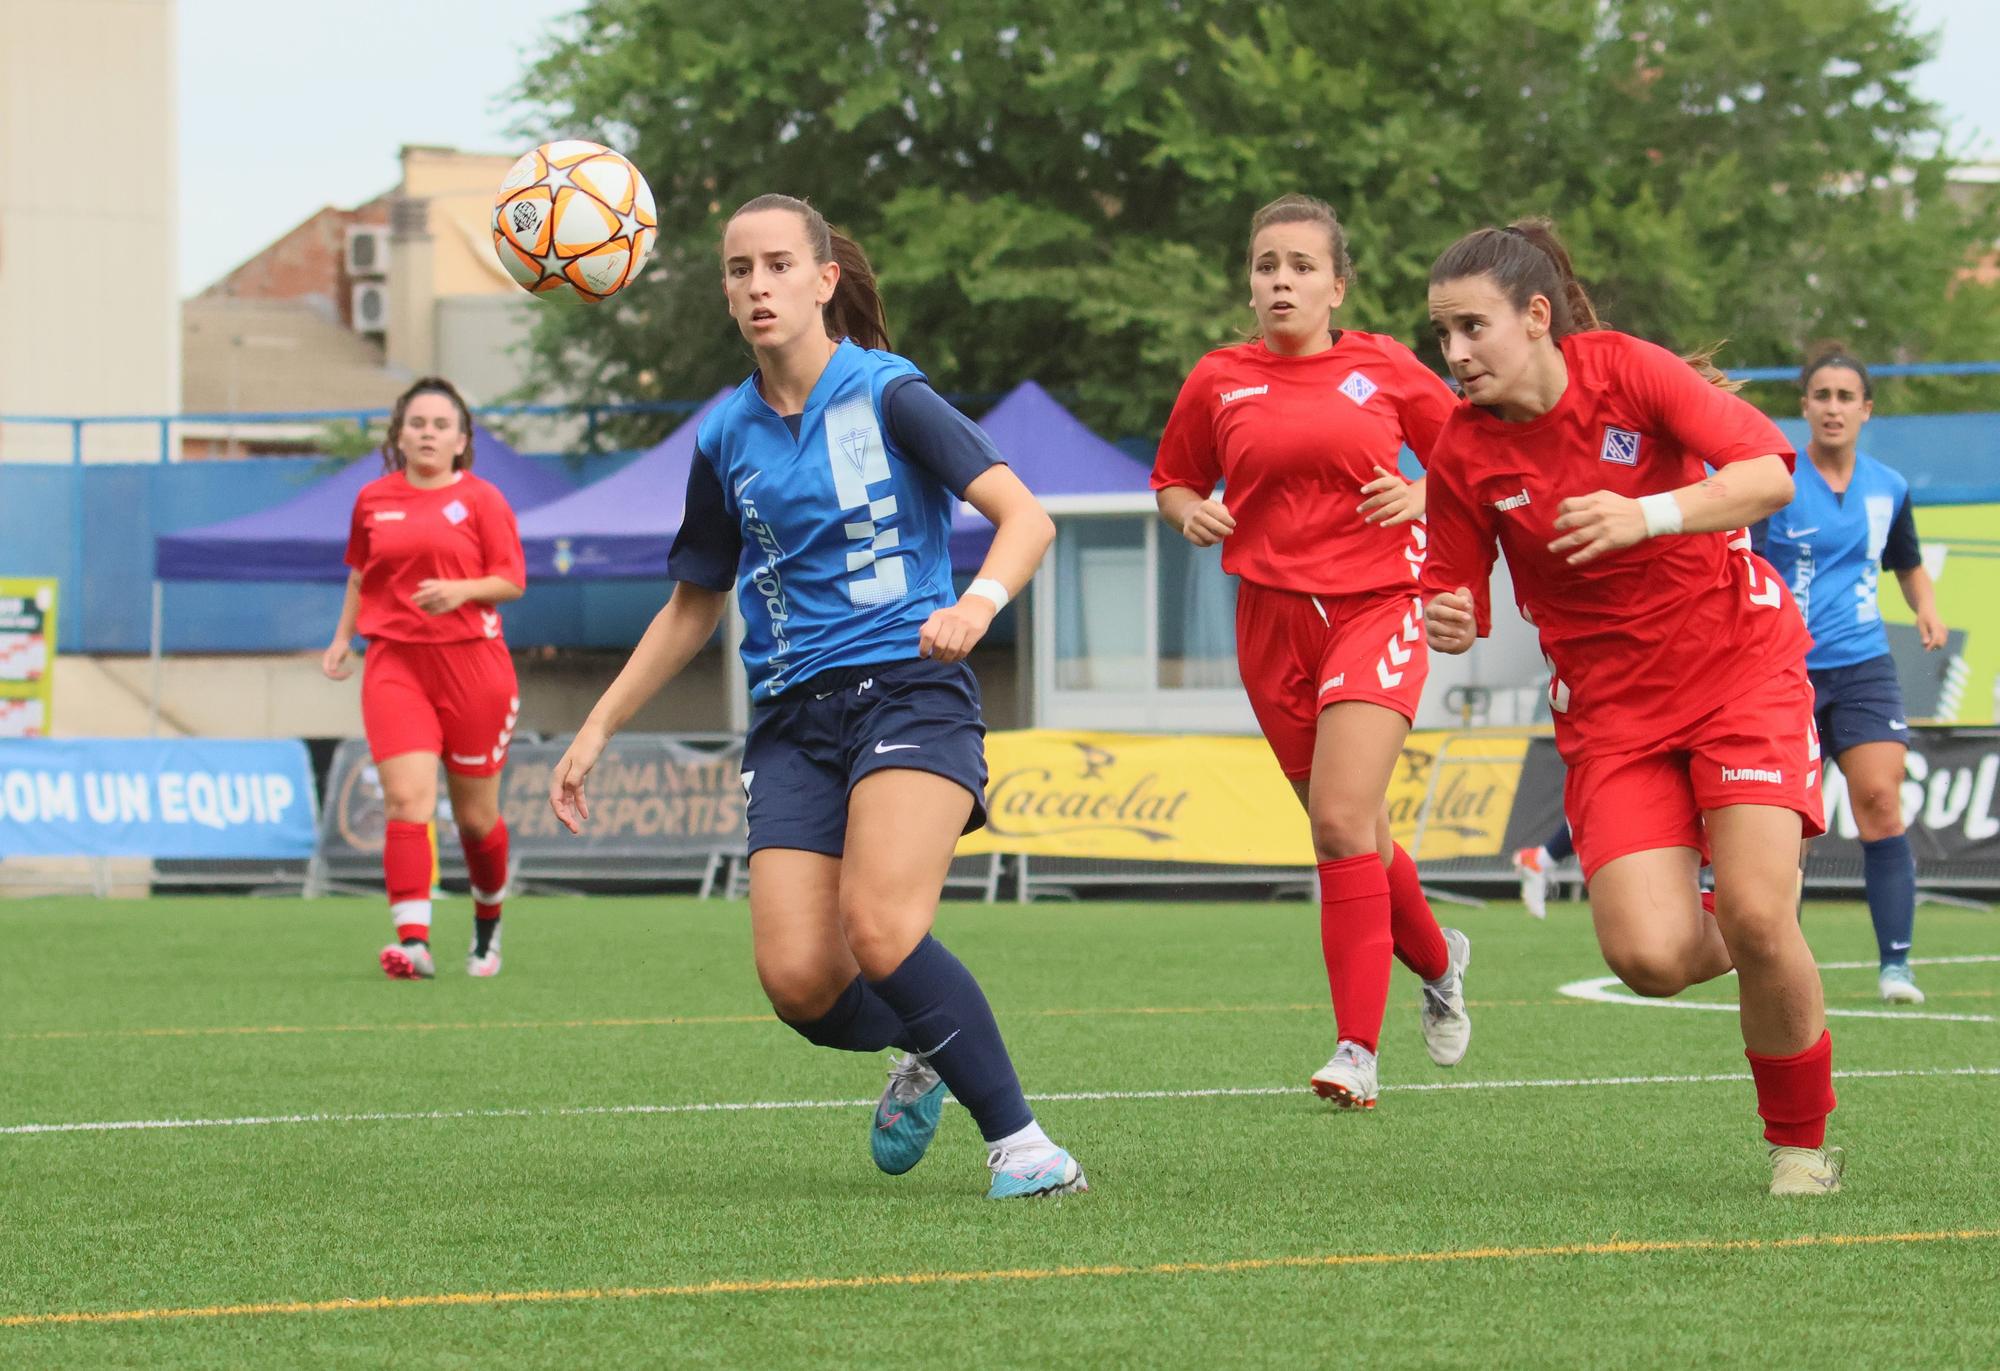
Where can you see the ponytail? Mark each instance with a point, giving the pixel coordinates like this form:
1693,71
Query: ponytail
1527,259
855,311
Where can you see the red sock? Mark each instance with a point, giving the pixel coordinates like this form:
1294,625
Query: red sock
1354,938
486,864
1708,902
406,871
1419,941
1795,1094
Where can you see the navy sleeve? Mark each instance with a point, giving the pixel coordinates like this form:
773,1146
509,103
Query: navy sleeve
936,437
709,543
1902,553
1760,537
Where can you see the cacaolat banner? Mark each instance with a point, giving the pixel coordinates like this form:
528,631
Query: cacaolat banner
1166,798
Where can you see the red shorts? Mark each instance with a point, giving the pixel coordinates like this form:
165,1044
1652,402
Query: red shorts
1299,653
457,701
1759,749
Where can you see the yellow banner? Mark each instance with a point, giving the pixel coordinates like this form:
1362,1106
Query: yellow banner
27,657
1181,798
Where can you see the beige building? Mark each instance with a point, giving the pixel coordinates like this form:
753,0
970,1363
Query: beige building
89,318
348,307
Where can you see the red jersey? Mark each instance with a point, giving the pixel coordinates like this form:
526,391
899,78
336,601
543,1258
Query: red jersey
1294,439
401,536
1647,639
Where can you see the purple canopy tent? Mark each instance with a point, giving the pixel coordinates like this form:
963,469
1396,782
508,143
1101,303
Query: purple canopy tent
1053,454
623,525
305,538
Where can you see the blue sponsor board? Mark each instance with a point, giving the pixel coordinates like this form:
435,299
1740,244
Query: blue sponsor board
155,798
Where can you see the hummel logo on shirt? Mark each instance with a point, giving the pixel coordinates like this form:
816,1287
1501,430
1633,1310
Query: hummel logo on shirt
1752,773
1244,393
383,516
1512,501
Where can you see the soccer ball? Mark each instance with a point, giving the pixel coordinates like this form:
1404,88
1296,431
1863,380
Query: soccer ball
574,216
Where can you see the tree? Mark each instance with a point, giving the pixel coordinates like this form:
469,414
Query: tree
1062,193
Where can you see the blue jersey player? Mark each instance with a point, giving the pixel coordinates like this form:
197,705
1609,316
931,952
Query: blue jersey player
1849,520
821,493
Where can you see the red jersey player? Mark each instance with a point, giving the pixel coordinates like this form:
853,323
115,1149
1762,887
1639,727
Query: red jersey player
1678,658
1302,426
433,552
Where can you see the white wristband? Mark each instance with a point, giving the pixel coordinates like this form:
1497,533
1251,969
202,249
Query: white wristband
1663,513
992,590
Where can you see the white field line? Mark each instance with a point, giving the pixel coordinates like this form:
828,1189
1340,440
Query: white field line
1611,990
1067,1097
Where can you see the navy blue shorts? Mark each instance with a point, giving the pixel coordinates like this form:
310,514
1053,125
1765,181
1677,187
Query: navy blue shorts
1858,704
808,748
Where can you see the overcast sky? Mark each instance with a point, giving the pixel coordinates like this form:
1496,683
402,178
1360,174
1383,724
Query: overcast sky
290,106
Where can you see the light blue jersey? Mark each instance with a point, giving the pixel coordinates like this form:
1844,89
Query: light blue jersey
844,537
1831,549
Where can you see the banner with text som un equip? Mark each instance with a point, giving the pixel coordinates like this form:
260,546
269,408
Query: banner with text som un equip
155,797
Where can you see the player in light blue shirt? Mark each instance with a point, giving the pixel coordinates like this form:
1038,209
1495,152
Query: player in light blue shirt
821,493
1850,519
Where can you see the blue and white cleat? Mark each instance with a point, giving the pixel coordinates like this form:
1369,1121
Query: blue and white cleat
1898,986
1040,1173
906,1117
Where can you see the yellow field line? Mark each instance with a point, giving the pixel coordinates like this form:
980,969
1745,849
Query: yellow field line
895,1279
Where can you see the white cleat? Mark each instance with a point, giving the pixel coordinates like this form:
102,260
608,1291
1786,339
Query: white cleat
411,963
1349,1078
1898,986
1447,1027
1806,1170
486,964
1535,864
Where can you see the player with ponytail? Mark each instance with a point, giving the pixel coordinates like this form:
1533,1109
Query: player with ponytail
821,492
1677,656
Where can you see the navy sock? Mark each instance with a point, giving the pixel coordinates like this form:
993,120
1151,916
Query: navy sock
946,1014
858,1022
1890,870
1558,843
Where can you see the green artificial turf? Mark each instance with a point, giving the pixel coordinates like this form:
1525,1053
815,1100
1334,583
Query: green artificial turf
1581,1222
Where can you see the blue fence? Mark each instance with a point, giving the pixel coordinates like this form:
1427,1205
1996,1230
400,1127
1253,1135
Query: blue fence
93,525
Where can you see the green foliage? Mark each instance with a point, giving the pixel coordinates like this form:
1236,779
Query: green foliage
1063,194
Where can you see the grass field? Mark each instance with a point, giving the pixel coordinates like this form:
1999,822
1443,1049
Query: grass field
520,1172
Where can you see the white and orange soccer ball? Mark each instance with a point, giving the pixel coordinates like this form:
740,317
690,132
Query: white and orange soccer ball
574,216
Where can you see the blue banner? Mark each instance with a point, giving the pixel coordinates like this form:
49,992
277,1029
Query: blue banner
146,797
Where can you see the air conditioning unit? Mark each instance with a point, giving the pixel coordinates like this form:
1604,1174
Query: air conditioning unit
367,250
370,307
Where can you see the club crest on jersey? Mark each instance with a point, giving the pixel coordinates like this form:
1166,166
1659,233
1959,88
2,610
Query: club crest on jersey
1620,446
854,443
1358,387
457,512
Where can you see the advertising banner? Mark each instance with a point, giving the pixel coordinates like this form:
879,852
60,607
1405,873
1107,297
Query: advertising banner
1186,798
650,796
160,798
27,657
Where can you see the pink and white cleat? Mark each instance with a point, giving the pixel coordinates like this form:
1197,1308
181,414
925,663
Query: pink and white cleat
409,962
